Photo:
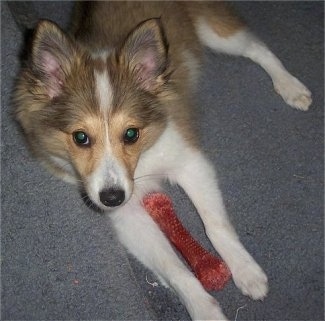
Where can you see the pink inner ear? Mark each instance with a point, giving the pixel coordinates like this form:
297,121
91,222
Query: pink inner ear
147,68
148,62
53,73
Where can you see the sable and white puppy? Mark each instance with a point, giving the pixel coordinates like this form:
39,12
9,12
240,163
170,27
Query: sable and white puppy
108,107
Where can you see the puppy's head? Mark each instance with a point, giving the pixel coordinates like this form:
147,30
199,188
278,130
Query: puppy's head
88,117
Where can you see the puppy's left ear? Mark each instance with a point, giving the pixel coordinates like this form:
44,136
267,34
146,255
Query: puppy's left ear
145,54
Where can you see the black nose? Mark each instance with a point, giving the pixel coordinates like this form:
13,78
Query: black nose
112,197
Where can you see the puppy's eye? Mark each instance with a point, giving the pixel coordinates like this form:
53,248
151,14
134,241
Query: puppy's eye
131,135
81,138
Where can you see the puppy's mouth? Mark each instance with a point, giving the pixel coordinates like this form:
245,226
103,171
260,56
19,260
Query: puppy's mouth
89,203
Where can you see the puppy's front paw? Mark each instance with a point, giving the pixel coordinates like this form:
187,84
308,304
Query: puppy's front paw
208,310
251,280
204,307
293,92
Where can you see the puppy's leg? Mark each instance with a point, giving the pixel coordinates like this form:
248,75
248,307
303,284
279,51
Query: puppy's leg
143,238
198,179
231,36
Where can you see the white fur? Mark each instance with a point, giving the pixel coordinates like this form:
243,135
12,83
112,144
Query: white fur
290,88
103,91
101,54
70,174
108,174
142,237
234,45
244,43
171,157
199,181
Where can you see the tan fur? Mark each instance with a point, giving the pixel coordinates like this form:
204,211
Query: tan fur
127,154
92,32
86,159
100,26
173,18
219,15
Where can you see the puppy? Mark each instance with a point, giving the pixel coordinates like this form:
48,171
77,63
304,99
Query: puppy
109,104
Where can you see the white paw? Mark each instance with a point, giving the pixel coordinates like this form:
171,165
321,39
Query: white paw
209,310
251,280
293,92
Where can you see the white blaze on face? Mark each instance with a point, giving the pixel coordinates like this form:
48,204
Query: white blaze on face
103,90
110,171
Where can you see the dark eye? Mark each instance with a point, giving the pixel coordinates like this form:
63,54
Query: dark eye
81,138
131,135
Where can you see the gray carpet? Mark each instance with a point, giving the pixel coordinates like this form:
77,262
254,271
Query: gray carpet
61,261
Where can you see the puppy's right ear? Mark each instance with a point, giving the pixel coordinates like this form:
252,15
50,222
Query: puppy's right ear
51,57
145,53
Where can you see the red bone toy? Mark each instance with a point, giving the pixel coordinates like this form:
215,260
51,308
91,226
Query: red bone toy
210,270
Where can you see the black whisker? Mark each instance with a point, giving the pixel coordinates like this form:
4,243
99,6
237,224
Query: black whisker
89,203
